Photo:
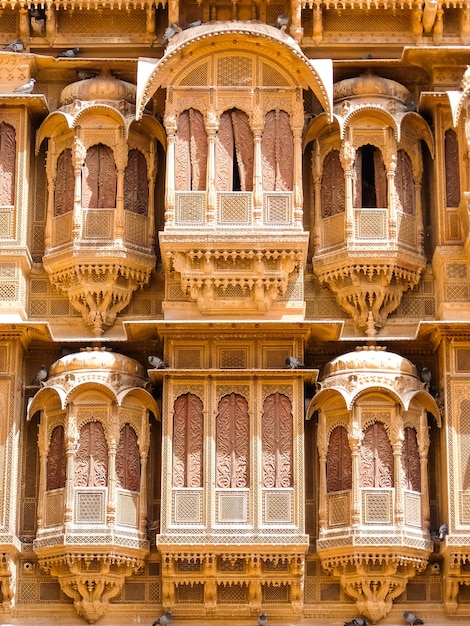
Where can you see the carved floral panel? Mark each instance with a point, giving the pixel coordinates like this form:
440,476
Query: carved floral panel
7,164
128,460
64,184
338,461
332,185
190,152
91,460
410,460
451,148
56,460
404,183
232,442
99,178
277,147
187,441
136,189
277,432
376,458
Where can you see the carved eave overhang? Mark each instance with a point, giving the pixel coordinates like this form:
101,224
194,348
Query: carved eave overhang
25,332
186,47
35,104
306,375
437,331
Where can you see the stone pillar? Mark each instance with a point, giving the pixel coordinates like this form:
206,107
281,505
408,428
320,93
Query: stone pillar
78,159
211,129
298,191
355,438
71,443
347,157
170,126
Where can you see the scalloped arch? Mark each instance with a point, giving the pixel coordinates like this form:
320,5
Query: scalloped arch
370,112
55,124
260,39
108,111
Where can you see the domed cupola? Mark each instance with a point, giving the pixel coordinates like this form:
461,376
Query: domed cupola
373,441
370,89
103,88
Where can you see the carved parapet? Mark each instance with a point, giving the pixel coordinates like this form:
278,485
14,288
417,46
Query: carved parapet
91,580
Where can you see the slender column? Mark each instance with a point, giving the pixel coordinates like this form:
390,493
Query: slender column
296,25
78,159
322,451
24,25
347,157
298,191
391,198
51,172
317,23
71,442
170,125
42,485
51,23
143,492
316,176
423,443
211,129
398,482
119,218
173,12
152,174
150,21
112,492
355,437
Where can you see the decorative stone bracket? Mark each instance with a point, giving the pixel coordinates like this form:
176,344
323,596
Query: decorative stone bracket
374,580
369,293
91,580
99,291
7,580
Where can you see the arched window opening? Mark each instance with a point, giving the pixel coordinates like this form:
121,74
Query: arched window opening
410,460
64,184
7,164
376,458
99,178
451,148
277,148
404,183
277,435
338,461
56,460
136,189
128,460
190,152
234,152
91,461
332,185
232,442
187,441
370,180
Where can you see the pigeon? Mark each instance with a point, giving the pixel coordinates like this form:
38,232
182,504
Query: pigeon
163,620
426,377
262,619
194,24
442,532
41,376
14,46
357,621
412,619
157,362
38,14
85,74
294,363
169,33
26,88
71,53
282,22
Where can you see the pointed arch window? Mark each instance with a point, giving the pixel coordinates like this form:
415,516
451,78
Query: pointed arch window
91,461
451,149
234,152
277,430
332,185
7,164
136,188
404,183
338,461
277,148
410,460
376,457
99,178
187,441
64,184
370,179
56,460
128,460
190,152
232,442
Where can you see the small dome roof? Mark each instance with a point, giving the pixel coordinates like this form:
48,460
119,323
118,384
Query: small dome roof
370,358
104,87
369,86
97,359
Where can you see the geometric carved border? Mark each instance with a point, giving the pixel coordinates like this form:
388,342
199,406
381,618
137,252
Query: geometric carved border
339,508
187,507
232,506
464,508
377,506
277,506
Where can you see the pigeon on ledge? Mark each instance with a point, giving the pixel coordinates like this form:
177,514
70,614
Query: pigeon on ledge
163,620
357,621
14,46
412,619
71,53
157,363
262,619
41,376
26,88
294,363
